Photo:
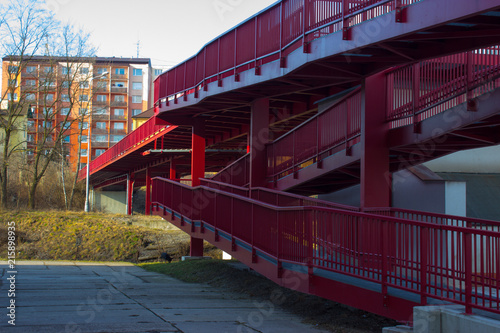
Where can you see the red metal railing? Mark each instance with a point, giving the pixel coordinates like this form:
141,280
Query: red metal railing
336,129
143,133
268,36
273,197
237,173
440,261
422,90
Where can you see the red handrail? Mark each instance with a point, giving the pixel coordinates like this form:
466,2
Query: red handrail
267,36
143,133
457,264
425,89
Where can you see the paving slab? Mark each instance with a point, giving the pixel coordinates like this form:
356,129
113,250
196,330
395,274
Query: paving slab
120,297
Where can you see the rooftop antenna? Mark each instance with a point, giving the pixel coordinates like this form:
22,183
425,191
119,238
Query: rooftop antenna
138,47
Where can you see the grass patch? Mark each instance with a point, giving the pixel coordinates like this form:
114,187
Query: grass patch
73,236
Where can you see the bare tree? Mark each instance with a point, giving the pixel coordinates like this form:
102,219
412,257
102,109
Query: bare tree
70,62
25,25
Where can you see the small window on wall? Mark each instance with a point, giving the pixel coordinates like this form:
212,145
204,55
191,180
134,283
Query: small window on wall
31,69
119,98
66,139
118,126
84,152
120,71
83,125
135,112
102,98
137,85
101,138
84,138
158,72
136,99
119,112
137,72
100,125
84,70
65,111
101,70
84,98
99,152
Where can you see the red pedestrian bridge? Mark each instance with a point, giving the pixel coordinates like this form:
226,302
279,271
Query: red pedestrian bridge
314,96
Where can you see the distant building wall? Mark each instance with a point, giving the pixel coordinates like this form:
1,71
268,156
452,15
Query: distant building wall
111,201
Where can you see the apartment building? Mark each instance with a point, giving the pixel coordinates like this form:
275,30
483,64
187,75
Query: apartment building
105,92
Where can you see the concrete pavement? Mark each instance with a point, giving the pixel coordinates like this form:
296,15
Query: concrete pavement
71,297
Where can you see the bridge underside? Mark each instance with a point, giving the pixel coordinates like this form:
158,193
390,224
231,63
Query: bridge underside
329,110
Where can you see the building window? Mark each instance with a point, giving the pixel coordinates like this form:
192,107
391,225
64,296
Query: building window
100,125
101,70
66,139
83,125
65,111
137,72
84,85
100,138
119,112
84,152
100,111
102,85
48,70
65,97
84,70
84,139
30,69
12,83
65,126
31,83
116,138
102,98
135,112
137,85
30,97
119,98
158,72
48,111
13,69
84,98
47,124
66,70
12,96
31,123
136,99
118,126
120,71
31,138
99,152
83,111
49,98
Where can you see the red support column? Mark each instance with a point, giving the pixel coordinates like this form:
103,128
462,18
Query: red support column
197,172
198,153
259,137
173,172
148,191
376,180
130,190
196,248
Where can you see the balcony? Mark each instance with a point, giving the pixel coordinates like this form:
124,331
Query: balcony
118,103
118,117
119,76
96,130
118,131
100,103
119,90
100,89
29,88
99,144
100,116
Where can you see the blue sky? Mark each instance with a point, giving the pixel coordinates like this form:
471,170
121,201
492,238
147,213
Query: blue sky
169,31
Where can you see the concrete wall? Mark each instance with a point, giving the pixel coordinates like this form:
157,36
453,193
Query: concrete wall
111,201
447,319
482,160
